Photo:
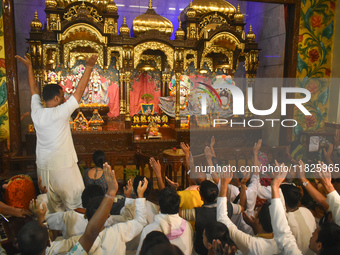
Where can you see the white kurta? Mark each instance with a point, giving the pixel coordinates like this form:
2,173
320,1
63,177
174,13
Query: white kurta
72,223
112,239
302,224
151,209
282,233
165,223
333,199
55,153
246,243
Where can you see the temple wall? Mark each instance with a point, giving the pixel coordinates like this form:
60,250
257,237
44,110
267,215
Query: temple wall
315,54
4,120
268,25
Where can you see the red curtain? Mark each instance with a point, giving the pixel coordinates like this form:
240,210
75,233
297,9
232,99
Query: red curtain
113,93
145,85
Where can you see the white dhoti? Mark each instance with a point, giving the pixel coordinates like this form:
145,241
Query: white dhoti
64,187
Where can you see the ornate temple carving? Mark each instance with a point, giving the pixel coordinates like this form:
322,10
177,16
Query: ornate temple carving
210,37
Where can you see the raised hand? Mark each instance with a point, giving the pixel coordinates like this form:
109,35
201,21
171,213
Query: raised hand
301,172
37,211
278,177
156,166
42,188
212,142
250,220
26,61
110,177
91,61
208,153
186,148
172,184
142,185
31,79
21,212
225,178
128,189
328,152
245,178
257,147
220,250
324,174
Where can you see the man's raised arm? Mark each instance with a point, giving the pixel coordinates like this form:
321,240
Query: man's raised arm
31,80
90,62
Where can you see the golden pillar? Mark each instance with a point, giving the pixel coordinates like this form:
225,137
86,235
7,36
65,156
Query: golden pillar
177,113
127,82
121,90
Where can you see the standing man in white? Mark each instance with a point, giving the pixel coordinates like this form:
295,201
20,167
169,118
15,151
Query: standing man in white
56,157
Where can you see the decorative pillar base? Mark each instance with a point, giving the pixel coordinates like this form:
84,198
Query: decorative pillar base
177,123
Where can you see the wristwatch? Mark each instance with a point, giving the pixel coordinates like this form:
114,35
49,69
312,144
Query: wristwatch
305,183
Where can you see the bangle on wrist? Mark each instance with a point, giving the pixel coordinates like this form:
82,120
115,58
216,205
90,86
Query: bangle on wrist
109,196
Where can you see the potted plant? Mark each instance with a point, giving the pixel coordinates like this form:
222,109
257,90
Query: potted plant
147,97
130,173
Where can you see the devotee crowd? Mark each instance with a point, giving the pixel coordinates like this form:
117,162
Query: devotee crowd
280,212
218,213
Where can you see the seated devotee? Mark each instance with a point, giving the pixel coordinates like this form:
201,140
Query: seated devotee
95,175
315,194
152,239
217,232
190,197
325,239
178,230
234,194
263,242
72,223
151,208
112,238
33,236
165,249
245,199
205,215
300,220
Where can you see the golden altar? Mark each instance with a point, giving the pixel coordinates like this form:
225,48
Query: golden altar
210,40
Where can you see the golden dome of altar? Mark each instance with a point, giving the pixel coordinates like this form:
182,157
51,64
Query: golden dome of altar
51,3
250,36
36,25
124,29
101,4
204,6
111,6
180,34
238,17
150,20
191,13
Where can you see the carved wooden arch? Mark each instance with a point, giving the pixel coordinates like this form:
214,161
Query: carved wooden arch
229,53
188,61
120,60
53,47
140,48
205,19
83,27
84,43
226,36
